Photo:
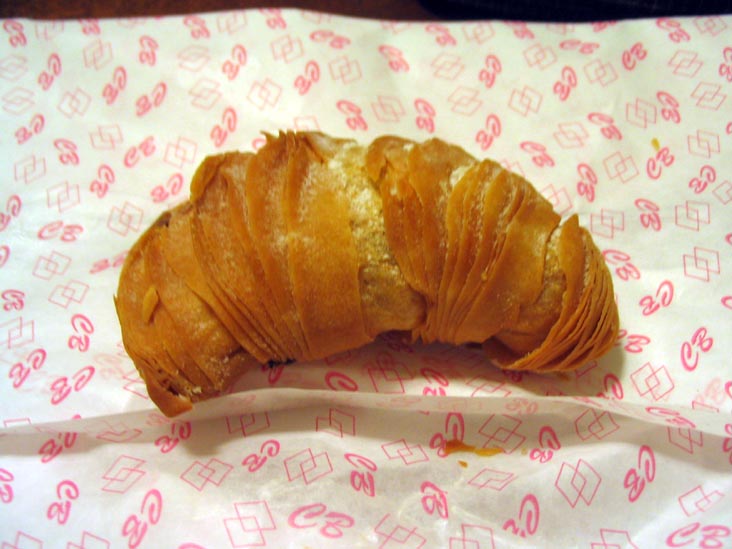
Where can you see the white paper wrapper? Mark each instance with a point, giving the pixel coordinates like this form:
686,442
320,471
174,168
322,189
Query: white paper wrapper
627,124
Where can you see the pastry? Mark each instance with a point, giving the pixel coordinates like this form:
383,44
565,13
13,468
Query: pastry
316,245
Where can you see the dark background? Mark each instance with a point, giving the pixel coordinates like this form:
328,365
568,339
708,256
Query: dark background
565,10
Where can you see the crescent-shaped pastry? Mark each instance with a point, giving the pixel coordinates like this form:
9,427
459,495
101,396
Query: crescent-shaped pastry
316,245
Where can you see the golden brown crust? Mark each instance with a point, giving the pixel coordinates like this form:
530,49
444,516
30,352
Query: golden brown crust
315,245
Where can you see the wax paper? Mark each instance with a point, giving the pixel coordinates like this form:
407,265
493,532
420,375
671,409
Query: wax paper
627,124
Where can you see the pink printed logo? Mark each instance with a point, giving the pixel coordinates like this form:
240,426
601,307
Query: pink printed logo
473,536
345,69
525,101
205,93
447,66
123,474
193,58
588,181
391,533
408,453
387,375
286,48
264,94
539,56
388,109
619,166
599,72
74,291
640,113
106,137
558,197
97,54
54,264
89,541
596,424
692,215
709,96
479,32
182,152
697,500
613,539
607,222
493,479
253,519
13,67
703,144
685,438
231,22
16,333
701,264
723,192
18,100
685,63
710,25
336,423
248,424
571,135
578,482
125,219
501,431
487,386
74,103
29,169
199,475
654,383
464,101
48,30
23,541
63,196
308,466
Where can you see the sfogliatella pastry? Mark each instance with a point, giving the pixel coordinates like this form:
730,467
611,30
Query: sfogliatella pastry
316,245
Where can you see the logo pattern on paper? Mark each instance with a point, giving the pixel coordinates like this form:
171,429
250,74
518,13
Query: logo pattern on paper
23,541
16,333
123,474
698,500
388,109
578,482
29,169
308,466
248,424
652,382
473,536
702,264
447,66
685,63
47,267
492,479
620,166
525,101
337,423
250,524
686,439
625,124
89,541
595,424
607,222
408,453
13,67
393,534
501,431
611,539
199,474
